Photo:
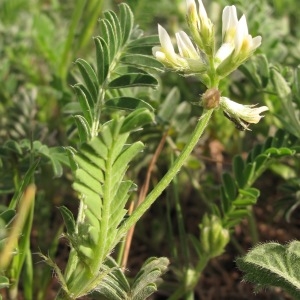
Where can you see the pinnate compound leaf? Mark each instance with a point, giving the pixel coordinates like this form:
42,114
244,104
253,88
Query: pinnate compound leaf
272,264
144,282
115,286
100,166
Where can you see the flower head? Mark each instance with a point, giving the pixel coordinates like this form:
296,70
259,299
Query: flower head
188,60
238,45
241,115
166,53
214,237
202,29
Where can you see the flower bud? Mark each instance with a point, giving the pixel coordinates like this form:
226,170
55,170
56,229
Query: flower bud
202,29
213,237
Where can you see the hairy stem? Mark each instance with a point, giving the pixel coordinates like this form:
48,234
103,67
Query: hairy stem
165,181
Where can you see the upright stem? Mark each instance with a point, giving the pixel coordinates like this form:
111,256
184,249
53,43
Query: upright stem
165,181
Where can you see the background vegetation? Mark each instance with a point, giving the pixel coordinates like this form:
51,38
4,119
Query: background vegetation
40,43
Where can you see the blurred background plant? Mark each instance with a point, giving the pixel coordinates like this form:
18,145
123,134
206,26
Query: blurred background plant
39,42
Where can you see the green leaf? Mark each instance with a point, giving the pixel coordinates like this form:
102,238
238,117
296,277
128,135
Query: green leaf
13,146
114,21
127,103
107,33
144,282
4,282
7,216
238,214
102,57
290,118
168,108
68,219
84,104
229,186
263,68
246,197
142,60
89,76
83,127
272,264
282,88
126,21
136,119
149,40
133,79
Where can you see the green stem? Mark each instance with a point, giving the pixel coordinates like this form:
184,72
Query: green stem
253,227
165,181
191,280
181,228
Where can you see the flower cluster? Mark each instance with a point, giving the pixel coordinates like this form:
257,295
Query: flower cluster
197,56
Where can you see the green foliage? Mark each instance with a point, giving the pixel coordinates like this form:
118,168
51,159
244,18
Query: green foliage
272,264
237,192
99,168
115,285
289,99
122,104
115,70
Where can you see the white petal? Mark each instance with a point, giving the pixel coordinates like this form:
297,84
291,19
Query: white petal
241,34
165,40
202,11
224,51
246,113
256,42
229,19
253,114
160,56
185,46
155,49
242,25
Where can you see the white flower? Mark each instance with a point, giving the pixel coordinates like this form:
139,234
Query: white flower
244,43
185,46
229,23
238,45
241,115
166,53
201,26
188,60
